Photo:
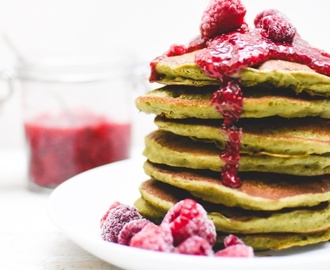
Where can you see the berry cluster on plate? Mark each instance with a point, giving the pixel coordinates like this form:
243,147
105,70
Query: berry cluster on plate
185,229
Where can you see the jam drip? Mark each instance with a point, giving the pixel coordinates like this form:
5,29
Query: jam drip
228,54
228,101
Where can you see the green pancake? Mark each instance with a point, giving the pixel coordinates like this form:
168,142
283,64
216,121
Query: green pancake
284,165
303,136
236,220
182,70
195,102
259,191
157,198
167,148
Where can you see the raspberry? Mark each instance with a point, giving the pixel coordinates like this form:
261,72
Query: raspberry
231,240
130,229
153,237
276,25
112,206
268,12
195,245
235,247
116,220
235,251
278,29
222,16
187,218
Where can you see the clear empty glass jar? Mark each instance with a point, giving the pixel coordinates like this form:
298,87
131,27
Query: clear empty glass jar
77,115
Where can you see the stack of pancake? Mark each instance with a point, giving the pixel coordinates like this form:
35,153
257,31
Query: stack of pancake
284,199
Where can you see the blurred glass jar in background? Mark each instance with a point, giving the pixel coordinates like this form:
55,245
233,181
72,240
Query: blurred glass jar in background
77,115
6,84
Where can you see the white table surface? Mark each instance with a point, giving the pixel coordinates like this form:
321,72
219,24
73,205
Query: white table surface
28,238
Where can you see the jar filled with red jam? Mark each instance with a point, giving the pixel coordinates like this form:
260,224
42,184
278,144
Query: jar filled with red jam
76,115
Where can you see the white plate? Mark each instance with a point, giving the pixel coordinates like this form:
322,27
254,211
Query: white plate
77,205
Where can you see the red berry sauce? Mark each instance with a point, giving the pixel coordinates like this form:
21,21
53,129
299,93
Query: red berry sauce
232,50
228,54
64,145
228,101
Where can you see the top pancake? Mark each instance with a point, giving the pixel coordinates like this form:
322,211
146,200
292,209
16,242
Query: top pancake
182,70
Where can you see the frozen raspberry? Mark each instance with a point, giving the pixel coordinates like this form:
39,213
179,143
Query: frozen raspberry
112,206
116,220
187,218
153,237
278,29
195,245
234,247
268,12
235,251
222,16
276,25
231,240
130,229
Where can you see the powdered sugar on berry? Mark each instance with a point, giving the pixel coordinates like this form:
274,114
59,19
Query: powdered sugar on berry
188,218
195,245
115,221
130,229
153,237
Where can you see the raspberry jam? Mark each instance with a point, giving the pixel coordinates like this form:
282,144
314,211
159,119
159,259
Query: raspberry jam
229,102
62,146
228,54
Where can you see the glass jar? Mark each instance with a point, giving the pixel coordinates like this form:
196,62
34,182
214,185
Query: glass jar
76,114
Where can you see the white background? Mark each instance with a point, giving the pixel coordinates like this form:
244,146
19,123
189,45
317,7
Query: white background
146,27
